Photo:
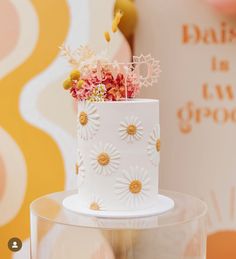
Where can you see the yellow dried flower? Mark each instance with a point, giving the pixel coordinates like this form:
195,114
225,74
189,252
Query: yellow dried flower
116,20
107,36
80,83
114,26
67,84
118,17
75,75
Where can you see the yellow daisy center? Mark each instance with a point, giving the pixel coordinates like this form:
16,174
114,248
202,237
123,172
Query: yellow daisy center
103,159
83,118
131,129
94,206
135,186
158,145
77,168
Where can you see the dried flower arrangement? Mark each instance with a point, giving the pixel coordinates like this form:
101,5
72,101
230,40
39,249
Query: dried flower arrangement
95,78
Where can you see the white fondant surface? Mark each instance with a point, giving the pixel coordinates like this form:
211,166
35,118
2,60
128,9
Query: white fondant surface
130,159
161,204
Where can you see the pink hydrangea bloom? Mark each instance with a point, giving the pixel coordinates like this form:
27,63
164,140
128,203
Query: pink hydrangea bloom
115,86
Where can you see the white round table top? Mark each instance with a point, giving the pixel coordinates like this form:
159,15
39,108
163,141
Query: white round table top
186,210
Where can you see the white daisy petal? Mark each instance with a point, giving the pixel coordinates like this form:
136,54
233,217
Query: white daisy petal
99,169
123,124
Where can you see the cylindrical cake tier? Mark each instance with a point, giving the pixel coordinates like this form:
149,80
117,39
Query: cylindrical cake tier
118,154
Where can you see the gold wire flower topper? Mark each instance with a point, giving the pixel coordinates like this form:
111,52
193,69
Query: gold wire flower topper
96,78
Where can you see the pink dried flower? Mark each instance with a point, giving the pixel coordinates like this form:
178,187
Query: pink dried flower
115,86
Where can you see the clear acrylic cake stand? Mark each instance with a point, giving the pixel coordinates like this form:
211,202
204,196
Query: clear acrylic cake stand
57,233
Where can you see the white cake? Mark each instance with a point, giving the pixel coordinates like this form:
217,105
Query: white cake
118,154
118,151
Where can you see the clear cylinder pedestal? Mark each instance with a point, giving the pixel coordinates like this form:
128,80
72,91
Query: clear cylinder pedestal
57,233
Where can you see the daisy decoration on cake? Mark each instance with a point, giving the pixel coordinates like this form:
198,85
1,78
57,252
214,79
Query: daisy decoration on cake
105,159
88,120
154,145
80,169
133,186
131,129
96,203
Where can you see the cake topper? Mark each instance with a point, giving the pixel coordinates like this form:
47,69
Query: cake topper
96,78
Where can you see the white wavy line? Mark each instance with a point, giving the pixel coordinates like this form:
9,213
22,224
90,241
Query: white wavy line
25,44
16,178
28,100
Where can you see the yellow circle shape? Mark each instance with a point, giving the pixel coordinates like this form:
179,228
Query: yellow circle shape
83,118
77,168
158,145
131,129
94,206
103,159
135,186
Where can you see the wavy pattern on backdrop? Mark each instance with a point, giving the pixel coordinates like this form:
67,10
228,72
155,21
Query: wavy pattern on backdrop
43,101
37,131
45,89
16,45
30,159
10,204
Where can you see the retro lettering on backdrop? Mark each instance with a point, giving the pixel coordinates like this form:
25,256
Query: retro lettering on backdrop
190,115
